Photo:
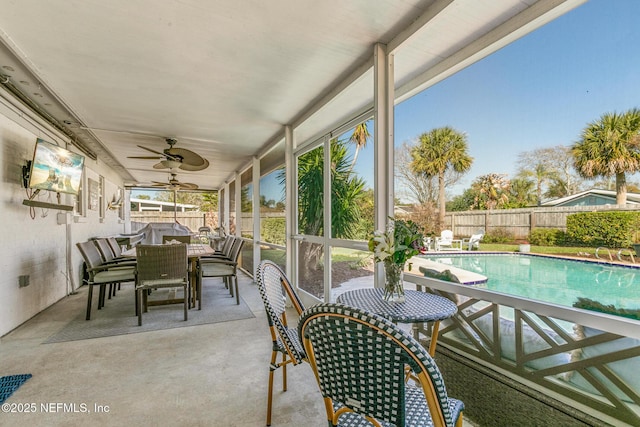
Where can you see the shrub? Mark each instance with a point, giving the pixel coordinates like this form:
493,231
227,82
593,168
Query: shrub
498,235
616,229
272,230
547,237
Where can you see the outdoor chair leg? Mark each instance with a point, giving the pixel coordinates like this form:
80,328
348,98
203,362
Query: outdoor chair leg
89,297
284,372
199,292
237,294
139,292
187,297
272,368
101,295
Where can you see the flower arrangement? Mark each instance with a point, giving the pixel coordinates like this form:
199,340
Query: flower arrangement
402,240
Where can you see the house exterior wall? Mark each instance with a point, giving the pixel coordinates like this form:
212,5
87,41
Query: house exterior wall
591,200
41,249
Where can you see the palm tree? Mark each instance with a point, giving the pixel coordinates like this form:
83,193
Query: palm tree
492,191
522,193
346,190
360,136
541,173
438,151
610,147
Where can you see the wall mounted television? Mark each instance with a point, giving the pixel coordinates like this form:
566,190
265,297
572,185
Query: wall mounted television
55,169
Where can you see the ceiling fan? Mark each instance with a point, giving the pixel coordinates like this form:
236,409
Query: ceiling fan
174,185
173,158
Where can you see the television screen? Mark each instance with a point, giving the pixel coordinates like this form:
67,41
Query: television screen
55,169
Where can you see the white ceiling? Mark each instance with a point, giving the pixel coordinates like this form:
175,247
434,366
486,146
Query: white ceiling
223,77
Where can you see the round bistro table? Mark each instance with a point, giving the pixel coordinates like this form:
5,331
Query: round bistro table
419,307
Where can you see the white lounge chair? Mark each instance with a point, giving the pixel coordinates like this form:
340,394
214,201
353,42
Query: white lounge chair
473,241
447,242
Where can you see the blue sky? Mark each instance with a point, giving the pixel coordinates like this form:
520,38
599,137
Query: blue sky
539,91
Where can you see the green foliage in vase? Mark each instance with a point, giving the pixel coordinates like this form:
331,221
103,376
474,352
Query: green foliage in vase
402,240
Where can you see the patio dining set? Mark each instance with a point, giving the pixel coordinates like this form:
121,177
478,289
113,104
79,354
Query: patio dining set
174,263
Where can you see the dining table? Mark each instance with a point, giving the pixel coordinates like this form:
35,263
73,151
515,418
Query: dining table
419,307
194,252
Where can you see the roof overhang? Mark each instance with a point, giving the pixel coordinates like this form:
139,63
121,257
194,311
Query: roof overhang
225,77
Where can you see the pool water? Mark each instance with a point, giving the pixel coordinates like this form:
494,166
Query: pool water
556,280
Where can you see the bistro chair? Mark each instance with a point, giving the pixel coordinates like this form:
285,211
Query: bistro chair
226,268
161,266
101,273
274,287
359,361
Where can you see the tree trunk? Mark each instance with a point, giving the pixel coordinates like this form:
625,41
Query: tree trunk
309,258
441,201
621,189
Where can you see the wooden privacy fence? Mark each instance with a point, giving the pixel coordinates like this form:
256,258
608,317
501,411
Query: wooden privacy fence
193,220
519,222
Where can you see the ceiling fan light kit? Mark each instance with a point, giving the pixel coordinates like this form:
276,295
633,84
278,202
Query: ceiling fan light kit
171,164
174,185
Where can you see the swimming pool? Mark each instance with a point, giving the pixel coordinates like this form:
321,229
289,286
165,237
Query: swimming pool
556,280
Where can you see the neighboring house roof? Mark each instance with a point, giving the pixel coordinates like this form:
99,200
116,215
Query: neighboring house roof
156,205
593,197
404,209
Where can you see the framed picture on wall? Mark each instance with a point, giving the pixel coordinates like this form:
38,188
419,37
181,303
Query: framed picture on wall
93,197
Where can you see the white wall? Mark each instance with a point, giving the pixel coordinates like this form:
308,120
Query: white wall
40,248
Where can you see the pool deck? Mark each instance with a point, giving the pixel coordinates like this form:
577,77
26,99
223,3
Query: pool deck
465,277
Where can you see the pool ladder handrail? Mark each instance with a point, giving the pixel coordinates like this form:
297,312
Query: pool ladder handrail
618,255
630,253
608,251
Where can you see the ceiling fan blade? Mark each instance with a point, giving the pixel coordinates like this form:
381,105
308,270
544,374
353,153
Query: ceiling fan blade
187,156
145,157
193,168
151,150
187,186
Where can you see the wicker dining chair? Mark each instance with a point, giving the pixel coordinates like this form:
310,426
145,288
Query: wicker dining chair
226,268
359,361
101,273
274,286
161,266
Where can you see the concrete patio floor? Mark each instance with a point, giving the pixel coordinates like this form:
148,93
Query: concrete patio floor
207,375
